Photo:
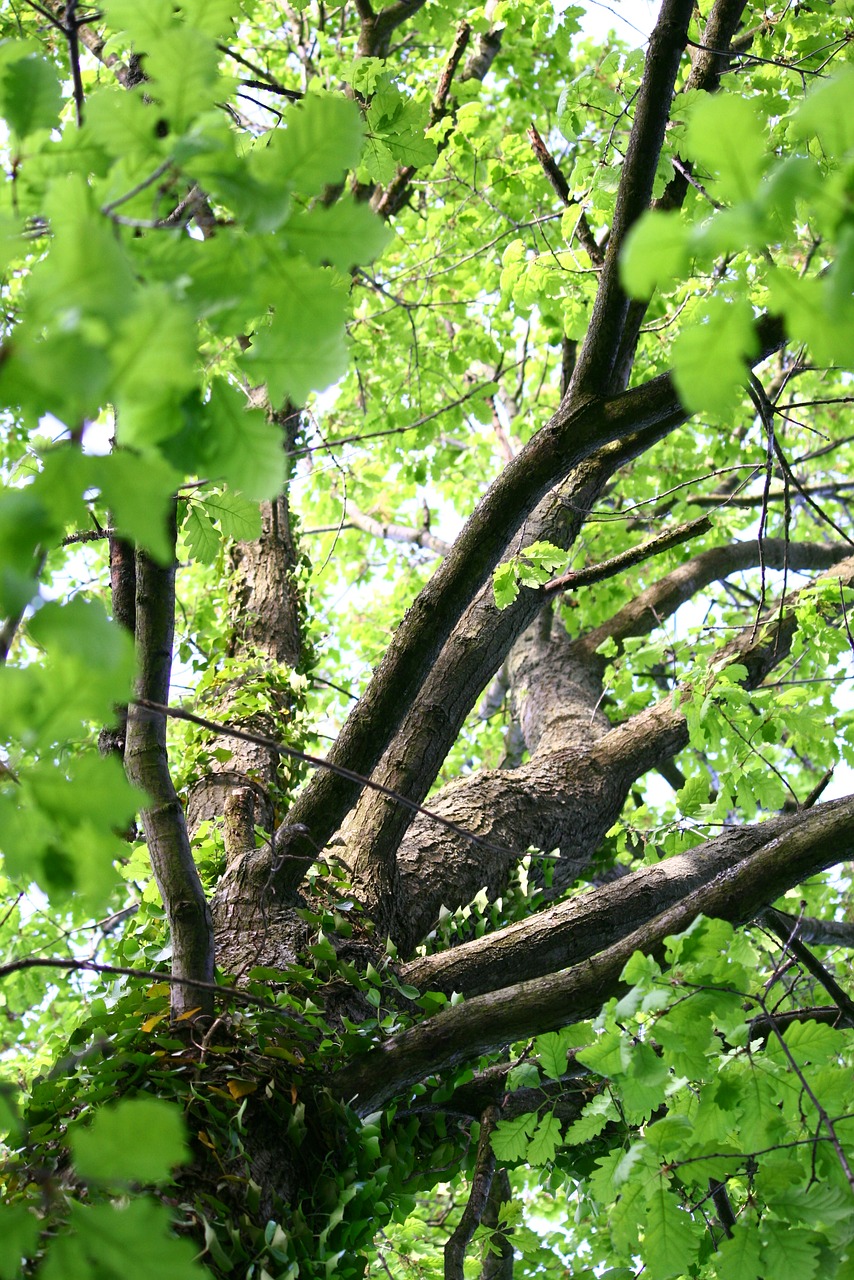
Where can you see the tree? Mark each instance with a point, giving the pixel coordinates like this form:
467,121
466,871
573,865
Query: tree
479,714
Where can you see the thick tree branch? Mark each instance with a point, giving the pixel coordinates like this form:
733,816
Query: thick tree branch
601,348
565,934
821,933
705,75
471,656
575,785
707,66
377,28
147,766
807,844
643,415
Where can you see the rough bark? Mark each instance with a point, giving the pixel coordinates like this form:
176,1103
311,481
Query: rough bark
806,844
265,630
581,769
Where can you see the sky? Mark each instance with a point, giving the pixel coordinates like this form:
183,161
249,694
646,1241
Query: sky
632,19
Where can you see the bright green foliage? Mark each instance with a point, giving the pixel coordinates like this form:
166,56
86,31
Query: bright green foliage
183,326
138,1141
533,568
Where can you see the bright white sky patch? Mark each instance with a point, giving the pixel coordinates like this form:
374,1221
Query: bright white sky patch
632,20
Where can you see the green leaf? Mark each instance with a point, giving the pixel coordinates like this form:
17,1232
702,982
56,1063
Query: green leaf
399,123
825,113
302,348
597,1114
669,1245
30,97
138,1140
241,446
545,1140
321,141
710,356
202,538
130,1241
19,1233
344,235
238,517
505,585
154,363
608,1055
787,1251
739,1258
510,1138
551,1049
814,314
727,136
182,69
655,255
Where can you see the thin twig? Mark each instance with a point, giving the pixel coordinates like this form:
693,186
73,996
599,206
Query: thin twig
90,966
317,762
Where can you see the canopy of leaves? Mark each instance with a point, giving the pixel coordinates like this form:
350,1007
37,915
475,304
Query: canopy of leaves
257,250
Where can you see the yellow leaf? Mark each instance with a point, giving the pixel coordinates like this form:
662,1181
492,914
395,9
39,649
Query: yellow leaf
240,1088
188,1013
150,1023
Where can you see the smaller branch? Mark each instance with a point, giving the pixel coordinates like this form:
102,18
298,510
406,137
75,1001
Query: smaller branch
649,609
85,35
627,559
787,931
265,80
140,186
481,1185
481,58
147,766
395,532
498,1265
723,1205
819,1109
293,95
70,26
561,187
722,499
388,202
86,535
